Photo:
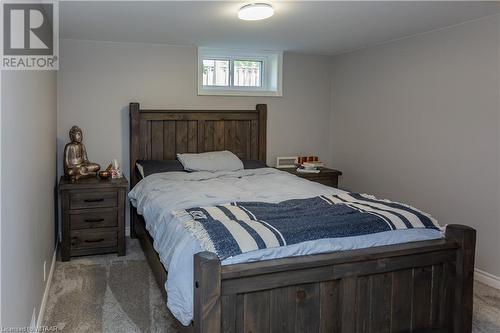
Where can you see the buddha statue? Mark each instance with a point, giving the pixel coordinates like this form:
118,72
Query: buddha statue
76,163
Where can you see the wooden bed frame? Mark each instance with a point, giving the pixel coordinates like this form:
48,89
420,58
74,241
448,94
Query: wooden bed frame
412,287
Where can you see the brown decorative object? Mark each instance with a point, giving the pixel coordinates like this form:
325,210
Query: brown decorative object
417,286
76,162
105,174
302,159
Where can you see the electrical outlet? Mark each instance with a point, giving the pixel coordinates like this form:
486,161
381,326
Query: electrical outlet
45,271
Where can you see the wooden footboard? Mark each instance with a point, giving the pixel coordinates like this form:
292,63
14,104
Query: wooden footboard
412,287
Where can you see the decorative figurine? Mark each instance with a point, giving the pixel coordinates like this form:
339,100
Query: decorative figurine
76,162
105,174
116,171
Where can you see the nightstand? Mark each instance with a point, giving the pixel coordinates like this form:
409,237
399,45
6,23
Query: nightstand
329,177
93,216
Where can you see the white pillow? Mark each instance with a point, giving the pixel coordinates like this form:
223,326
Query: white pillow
211,161
140,169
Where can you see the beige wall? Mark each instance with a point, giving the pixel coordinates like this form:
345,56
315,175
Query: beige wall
28,169
97,81
417,120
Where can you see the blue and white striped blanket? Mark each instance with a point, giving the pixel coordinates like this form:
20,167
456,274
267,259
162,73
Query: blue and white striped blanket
239,227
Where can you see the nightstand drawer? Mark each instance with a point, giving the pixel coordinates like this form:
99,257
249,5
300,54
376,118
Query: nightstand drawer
97,238
93,199
326,176
99,219
325,181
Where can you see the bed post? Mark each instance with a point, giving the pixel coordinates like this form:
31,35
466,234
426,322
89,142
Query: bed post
262,110
134,156
207,292
462,305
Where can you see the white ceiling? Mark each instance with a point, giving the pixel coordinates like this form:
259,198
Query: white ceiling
307,27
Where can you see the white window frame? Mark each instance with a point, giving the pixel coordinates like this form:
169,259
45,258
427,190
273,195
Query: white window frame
271,72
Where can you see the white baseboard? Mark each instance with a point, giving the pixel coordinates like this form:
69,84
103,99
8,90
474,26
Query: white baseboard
487,278
41,313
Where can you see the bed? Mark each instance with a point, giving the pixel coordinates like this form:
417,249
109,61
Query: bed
412,286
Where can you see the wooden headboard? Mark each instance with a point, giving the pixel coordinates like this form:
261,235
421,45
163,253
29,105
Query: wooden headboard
161,134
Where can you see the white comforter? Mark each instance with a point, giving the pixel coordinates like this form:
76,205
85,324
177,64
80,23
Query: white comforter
156,196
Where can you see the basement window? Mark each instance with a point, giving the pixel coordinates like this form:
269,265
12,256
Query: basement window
239,73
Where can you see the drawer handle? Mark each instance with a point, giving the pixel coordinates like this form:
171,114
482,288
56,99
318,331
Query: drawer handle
94,220
94,240
94,200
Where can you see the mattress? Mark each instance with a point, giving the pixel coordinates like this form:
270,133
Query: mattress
158,196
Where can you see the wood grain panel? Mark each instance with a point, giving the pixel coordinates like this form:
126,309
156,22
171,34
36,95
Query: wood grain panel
262,109
329,307
244,138
437,280
185,115
145,139
325,273
169,140
402,293
307,308
201,136
254,141
348,305
381,289
157,139
181,136
422,286
256,312
169,137
282,310
240,313
192,140
363,304
161,134
230,136
447,298
228,307
239,139
219,133
209,135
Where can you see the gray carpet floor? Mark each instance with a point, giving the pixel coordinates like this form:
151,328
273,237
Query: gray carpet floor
119,294
107,293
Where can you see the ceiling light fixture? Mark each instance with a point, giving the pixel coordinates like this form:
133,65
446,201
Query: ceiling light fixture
255,12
